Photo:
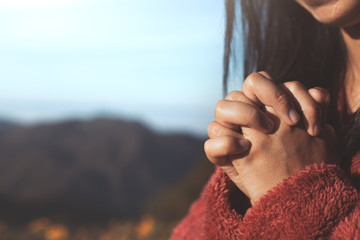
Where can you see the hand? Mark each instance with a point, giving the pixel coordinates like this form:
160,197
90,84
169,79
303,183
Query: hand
271,158
239,110
226,141
274,157
286,98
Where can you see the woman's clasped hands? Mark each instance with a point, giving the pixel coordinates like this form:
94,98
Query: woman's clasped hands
267,132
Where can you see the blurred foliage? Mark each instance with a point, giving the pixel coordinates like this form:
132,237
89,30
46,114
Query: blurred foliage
101,179
147,228
176,199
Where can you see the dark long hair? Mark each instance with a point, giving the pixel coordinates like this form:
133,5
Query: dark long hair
282,38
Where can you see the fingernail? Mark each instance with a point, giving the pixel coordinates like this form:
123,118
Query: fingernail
244,143
294,116
316,129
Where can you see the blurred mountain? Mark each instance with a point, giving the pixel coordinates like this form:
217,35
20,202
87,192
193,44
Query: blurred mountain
174,201
87,170
5,124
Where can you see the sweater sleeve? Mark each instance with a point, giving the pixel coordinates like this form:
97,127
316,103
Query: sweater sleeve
349,228
318,202
309,205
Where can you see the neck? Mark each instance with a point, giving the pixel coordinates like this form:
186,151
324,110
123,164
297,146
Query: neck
351,36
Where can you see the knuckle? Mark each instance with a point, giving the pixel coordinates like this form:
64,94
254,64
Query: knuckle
253,78
294,86
250,82
281,97
219,108
234,95
266,74
213,150
208,149
214,129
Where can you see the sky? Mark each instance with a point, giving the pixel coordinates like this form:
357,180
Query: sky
159,61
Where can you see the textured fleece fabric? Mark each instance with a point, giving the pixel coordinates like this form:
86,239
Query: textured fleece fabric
319,202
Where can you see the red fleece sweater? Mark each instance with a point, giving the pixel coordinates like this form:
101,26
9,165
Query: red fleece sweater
319,202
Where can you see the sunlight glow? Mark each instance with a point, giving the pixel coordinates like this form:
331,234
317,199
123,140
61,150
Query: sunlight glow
35,3
156,61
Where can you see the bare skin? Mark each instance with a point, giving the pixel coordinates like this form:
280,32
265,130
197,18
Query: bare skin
351,36
257,158
267,162
256,161
340,13
344,14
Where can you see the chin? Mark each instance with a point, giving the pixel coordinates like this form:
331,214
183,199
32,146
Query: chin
339,13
